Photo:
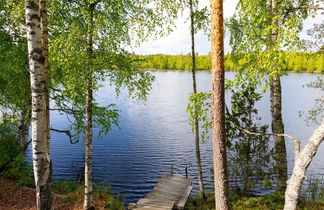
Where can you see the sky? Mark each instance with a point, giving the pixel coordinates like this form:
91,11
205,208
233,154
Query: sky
179,42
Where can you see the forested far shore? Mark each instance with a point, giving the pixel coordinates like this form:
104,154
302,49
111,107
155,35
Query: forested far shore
290,61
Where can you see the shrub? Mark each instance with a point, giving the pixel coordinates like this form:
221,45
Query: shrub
13,163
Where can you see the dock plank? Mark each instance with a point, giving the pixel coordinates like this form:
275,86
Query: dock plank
183,200
171,192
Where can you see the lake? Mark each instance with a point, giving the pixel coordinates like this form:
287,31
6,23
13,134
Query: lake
156,134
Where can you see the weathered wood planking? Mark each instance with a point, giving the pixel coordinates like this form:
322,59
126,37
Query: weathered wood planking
171,192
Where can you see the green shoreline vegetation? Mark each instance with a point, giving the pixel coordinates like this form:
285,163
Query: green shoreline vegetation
14,167
290,62
269,202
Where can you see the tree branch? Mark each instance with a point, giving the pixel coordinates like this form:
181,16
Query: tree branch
302,7
296,141
70,111
310,7
68,133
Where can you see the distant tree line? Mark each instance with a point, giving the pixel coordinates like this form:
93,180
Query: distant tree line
290,61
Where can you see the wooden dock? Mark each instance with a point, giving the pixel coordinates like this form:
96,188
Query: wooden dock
171,192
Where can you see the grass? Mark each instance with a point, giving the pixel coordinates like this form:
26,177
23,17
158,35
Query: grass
314,189
270,202
102,195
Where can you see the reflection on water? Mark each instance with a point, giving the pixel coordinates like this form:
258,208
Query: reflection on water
155,135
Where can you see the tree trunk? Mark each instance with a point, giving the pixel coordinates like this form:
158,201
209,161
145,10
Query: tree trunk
89,104
280,153
40,144
197,141
302,161
246,167
44,29
23,127
218,106
278,127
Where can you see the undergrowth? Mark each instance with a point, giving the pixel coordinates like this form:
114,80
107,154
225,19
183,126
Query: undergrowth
102,195
13,163
269,202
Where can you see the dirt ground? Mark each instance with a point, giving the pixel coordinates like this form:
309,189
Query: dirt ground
17,198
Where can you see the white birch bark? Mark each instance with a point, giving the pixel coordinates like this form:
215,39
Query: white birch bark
39,119
302,161
89,104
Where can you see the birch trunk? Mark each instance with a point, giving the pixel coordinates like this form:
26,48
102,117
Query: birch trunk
280,153
302,161
39,118
218,106
194,83
89,105
44,29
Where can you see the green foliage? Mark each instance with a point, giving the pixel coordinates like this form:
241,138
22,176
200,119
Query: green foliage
249,156
316,114
75,190
104,193
8,125
288,62
199,108
9,150
201,19
268,202
114,30
13,163
14,76
273,201
261,32
66,187
316,34
201,16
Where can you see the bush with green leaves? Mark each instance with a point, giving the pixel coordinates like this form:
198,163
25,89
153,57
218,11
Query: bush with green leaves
8,124
13,163
249,156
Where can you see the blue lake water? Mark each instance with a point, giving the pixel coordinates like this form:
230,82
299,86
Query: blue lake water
156,134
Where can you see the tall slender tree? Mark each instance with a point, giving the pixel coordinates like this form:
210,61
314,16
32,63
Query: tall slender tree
276,107
194,84
89,108
35,14
218,105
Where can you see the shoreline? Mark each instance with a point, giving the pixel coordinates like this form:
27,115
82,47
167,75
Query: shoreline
156,69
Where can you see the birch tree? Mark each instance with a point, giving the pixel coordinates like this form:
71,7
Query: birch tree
38,78
88,44
302,160
218,105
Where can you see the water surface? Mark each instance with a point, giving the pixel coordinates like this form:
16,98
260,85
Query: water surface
156,134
